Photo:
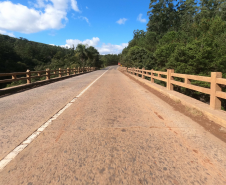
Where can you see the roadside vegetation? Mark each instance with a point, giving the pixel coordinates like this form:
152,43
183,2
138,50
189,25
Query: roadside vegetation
187,36
20,54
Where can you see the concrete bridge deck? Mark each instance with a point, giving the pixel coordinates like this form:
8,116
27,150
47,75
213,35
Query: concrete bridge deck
116,132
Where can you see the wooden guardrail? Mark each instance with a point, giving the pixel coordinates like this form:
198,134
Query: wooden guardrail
46,73
215,81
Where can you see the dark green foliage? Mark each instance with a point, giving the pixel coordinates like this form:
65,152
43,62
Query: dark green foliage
18,55
108,60
182,35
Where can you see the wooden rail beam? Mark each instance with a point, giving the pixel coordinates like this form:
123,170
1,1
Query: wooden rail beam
216,81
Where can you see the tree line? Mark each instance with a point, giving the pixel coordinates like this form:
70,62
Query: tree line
20,54
187,36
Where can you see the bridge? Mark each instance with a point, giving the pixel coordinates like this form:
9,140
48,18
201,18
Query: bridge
109,126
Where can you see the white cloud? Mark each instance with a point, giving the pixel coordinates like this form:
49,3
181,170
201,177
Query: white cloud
121,21
139,18
84,18
87,7
74,5
39,4
93,42
17,17
111,49
104,49
3,32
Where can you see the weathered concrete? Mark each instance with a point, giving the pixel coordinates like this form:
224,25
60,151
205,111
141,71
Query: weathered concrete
218,116
119,133
22,113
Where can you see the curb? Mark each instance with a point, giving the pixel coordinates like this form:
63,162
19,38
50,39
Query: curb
217,116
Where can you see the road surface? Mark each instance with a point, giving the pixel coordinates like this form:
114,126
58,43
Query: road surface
115,133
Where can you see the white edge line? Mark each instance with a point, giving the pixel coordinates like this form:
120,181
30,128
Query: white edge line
35,134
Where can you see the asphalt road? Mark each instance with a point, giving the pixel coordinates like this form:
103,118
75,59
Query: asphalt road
22,113
115,133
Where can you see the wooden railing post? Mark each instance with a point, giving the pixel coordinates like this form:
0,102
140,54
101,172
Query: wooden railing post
169,78
143,72
137,71
47,74
78,70
14,77
28,76
152,75
187,81
215,102
68,72
60,75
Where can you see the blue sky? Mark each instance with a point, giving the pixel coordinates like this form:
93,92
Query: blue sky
104,24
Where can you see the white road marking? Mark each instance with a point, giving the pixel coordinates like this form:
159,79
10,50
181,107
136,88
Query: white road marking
35,134
90,85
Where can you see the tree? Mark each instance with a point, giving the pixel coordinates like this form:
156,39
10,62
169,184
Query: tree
82,53
93,56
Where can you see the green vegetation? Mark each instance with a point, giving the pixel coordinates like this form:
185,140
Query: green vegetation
182,35
18,55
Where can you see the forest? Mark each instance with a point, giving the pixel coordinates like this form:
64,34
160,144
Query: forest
20,54
187,36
